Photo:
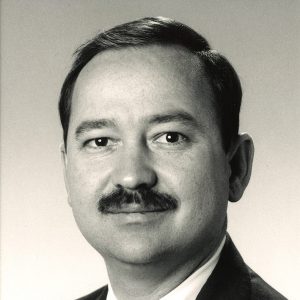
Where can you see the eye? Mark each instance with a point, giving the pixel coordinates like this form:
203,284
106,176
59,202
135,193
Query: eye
100,143
171,138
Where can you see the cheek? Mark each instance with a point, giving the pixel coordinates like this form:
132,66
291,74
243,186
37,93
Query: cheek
201,184
82,189
86,177
84,192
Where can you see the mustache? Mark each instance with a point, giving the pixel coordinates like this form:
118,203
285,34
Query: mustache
147,200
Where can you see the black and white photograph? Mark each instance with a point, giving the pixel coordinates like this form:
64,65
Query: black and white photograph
150,150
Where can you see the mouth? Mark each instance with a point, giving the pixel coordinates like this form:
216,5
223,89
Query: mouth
135,208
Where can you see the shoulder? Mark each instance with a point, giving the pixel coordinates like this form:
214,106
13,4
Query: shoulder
233,279
99,294
261,290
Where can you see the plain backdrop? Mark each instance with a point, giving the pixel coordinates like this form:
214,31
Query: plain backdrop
43,255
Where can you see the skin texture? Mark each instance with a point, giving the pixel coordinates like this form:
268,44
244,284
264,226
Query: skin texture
129,92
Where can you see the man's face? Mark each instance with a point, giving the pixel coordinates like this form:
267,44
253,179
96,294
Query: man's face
144,118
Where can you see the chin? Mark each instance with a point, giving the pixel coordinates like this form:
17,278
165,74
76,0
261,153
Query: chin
136,252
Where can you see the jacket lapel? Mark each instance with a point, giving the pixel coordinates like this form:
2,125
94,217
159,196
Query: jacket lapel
230,279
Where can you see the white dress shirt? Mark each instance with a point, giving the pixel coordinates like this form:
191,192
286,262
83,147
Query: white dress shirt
190,287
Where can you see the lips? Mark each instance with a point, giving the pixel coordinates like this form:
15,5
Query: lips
132,208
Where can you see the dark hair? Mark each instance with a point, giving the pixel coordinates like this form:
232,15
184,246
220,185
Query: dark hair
223,78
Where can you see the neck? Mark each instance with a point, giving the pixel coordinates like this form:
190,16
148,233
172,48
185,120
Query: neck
154,280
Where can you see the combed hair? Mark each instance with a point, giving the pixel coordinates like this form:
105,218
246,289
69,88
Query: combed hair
148,31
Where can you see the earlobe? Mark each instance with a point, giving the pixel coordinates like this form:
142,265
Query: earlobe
64,160
240,160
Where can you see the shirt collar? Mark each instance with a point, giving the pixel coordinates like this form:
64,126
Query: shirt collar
190,287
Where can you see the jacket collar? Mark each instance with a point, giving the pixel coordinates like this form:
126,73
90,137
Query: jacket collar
230,279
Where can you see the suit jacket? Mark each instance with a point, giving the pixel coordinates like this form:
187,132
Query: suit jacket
231,279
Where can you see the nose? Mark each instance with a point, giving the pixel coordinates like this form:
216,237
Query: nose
133,169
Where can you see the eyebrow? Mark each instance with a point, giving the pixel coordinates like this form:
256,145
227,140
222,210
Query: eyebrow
176,116
94,124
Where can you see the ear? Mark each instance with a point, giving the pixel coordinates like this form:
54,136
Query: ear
64,160
240,158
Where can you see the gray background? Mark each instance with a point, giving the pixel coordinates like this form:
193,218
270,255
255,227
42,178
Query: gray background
43,255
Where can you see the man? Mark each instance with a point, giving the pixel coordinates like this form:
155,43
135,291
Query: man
152,154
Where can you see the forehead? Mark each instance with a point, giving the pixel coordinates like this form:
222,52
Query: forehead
142,80
163,58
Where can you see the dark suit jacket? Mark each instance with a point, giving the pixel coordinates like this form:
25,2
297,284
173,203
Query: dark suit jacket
231,279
